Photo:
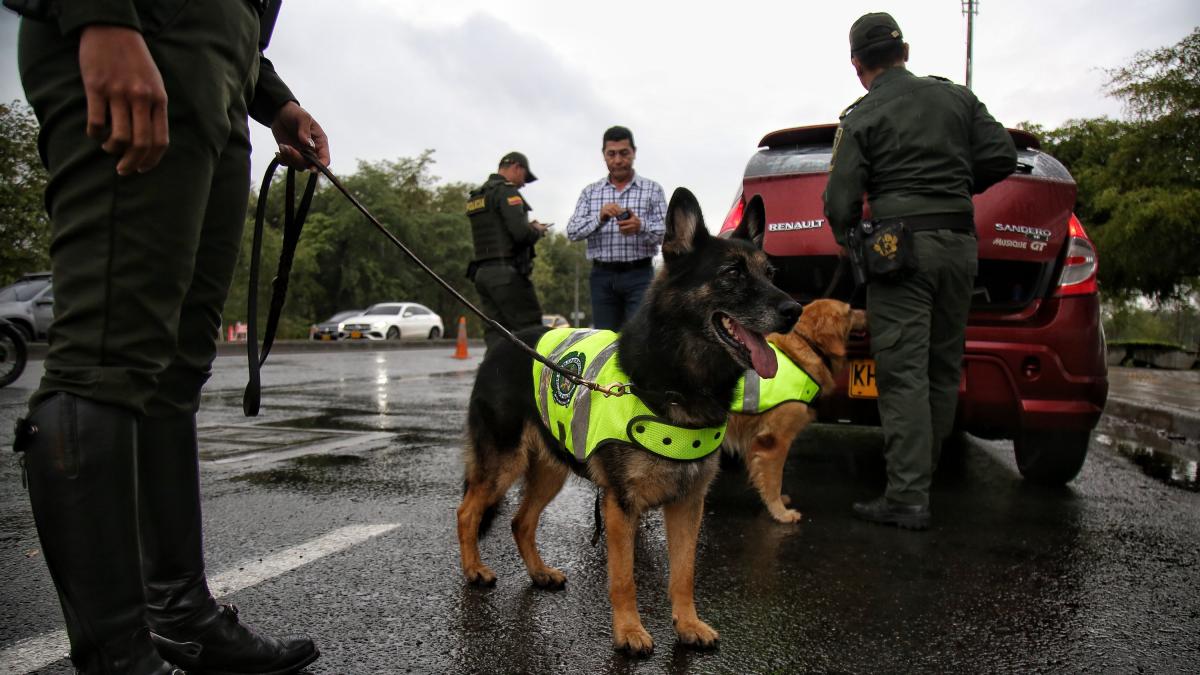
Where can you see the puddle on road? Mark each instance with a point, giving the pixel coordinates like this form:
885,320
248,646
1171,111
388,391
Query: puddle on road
1171,460
299,471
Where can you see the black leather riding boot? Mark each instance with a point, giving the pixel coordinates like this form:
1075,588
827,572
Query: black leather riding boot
80,460
189,628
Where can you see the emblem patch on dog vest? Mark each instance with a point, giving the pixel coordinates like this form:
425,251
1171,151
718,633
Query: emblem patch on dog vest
560,387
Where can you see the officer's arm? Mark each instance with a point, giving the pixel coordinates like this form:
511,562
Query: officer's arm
847,183
270,93
584,221
993,155
515,216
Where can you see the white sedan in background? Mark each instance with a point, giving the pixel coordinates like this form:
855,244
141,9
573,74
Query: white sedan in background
392,321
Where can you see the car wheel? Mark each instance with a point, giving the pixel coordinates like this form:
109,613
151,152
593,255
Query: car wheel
393,333
435,333
1051,457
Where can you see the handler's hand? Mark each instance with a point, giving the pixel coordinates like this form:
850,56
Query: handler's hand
126,99
294,128
610,210
540,228
631,225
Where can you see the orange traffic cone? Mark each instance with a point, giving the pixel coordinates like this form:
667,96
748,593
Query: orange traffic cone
460,349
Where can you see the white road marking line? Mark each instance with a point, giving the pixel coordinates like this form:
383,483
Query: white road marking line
39,651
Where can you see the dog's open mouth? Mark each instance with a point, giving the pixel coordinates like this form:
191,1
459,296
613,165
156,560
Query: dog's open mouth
750,346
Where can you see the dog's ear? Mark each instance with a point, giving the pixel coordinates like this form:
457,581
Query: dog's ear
685,224
751,227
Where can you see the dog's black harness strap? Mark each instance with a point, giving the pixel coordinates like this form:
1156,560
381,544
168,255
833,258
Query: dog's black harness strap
293,223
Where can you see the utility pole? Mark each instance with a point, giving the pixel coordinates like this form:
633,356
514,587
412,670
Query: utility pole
970,8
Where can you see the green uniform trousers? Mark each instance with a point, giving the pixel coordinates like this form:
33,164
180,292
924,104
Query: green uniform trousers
142,263
508,297
918,330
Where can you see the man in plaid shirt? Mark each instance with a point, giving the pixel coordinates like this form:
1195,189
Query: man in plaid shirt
622,217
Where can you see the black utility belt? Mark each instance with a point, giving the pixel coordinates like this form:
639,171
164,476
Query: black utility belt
958,222
621,265
883,250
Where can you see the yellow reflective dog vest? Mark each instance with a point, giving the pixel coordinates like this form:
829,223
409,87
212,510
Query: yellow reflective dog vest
583,420
754,395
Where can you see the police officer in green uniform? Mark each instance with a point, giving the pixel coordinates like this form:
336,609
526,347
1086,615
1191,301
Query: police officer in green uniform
143,109
919,148
504,238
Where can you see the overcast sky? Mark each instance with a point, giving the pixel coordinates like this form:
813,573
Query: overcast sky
698,83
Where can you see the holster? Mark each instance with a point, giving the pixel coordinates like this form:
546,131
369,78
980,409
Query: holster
858,266
38,10
472,270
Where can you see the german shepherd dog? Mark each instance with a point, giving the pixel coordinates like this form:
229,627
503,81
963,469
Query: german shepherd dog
817,343
699,327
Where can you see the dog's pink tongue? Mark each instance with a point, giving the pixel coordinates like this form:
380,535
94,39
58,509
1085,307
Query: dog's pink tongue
762,357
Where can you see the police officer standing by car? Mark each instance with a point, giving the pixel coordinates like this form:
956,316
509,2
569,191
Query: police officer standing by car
147,208
919,148
504,238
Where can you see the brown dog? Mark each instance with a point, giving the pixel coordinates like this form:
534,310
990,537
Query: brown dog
817,343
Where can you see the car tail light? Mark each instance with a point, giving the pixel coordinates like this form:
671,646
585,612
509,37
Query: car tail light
1079,269
735,213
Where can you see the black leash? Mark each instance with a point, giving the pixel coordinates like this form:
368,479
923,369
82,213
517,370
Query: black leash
293,222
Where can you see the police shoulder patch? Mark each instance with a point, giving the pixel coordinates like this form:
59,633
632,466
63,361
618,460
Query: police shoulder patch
515,200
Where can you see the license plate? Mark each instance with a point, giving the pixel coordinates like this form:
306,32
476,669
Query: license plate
862,379
326,337
355,334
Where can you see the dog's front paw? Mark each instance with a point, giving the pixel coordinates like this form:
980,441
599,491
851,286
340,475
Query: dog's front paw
786,515
633,640
548,578
480,575
696,633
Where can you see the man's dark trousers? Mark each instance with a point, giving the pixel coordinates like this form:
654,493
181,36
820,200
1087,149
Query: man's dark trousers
918,329
616,294
507,296
142,263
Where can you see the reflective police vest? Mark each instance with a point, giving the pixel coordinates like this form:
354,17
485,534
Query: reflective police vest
583,420
755,396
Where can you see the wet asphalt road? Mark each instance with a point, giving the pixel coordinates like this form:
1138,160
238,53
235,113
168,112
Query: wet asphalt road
1098,576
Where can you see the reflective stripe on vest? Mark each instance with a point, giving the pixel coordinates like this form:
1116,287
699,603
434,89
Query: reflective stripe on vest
583,420
755,395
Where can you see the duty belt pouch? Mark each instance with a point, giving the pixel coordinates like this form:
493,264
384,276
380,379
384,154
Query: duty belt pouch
472,270
887,250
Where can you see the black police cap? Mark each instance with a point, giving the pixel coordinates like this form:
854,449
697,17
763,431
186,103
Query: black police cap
872,29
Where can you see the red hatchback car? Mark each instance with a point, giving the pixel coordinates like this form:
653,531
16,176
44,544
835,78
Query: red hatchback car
1034,369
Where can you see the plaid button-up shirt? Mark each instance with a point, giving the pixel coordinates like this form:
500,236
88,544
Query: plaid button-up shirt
605,242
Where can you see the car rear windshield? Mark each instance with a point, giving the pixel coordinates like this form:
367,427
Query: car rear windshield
793,159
